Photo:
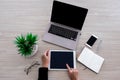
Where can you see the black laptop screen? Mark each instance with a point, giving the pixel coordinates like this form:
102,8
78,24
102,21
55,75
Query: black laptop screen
68,15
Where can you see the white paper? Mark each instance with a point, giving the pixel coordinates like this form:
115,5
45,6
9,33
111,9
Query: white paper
91,60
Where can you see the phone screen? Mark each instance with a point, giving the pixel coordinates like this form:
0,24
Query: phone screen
91,40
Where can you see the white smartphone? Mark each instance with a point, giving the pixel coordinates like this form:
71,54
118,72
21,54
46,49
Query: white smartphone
91,40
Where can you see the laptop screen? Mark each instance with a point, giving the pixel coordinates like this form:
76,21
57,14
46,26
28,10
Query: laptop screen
68,15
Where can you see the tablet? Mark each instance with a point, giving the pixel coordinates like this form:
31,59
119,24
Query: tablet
59,59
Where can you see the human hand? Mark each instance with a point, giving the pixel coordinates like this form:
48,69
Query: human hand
45,59
73,73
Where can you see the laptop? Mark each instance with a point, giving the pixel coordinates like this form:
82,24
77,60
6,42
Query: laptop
65,25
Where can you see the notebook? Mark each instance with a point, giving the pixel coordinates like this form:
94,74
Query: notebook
91,60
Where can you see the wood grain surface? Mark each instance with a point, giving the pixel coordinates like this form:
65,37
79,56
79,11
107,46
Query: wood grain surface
22,16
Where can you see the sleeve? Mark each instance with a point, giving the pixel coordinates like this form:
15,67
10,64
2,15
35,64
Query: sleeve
43,73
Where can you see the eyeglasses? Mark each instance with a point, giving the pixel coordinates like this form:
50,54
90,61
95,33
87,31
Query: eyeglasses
28,69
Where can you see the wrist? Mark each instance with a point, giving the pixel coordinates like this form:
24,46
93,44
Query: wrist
74,79
45,65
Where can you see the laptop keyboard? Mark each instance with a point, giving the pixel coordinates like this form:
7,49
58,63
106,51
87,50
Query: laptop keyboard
63,32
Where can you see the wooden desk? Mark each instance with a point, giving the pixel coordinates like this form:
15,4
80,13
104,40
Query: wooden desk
22,16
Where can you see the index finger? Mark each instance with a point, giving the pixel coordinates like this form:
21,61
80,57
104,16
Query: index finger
68,67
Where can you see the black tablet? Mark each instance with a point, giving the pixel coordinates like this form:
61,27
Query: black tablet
59,59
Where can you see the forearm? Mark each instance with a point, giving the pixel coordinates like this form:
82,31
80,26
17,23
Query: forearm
43,73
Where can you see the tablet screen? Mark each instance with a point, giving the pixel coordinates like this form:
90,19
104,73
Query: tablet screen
59,59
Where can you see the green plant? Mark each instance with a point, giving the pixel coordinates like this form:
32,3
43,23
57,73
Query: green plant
26,43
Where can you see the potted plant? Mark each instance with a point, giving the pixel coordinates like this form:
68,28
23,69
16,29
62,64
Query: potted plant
27,44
